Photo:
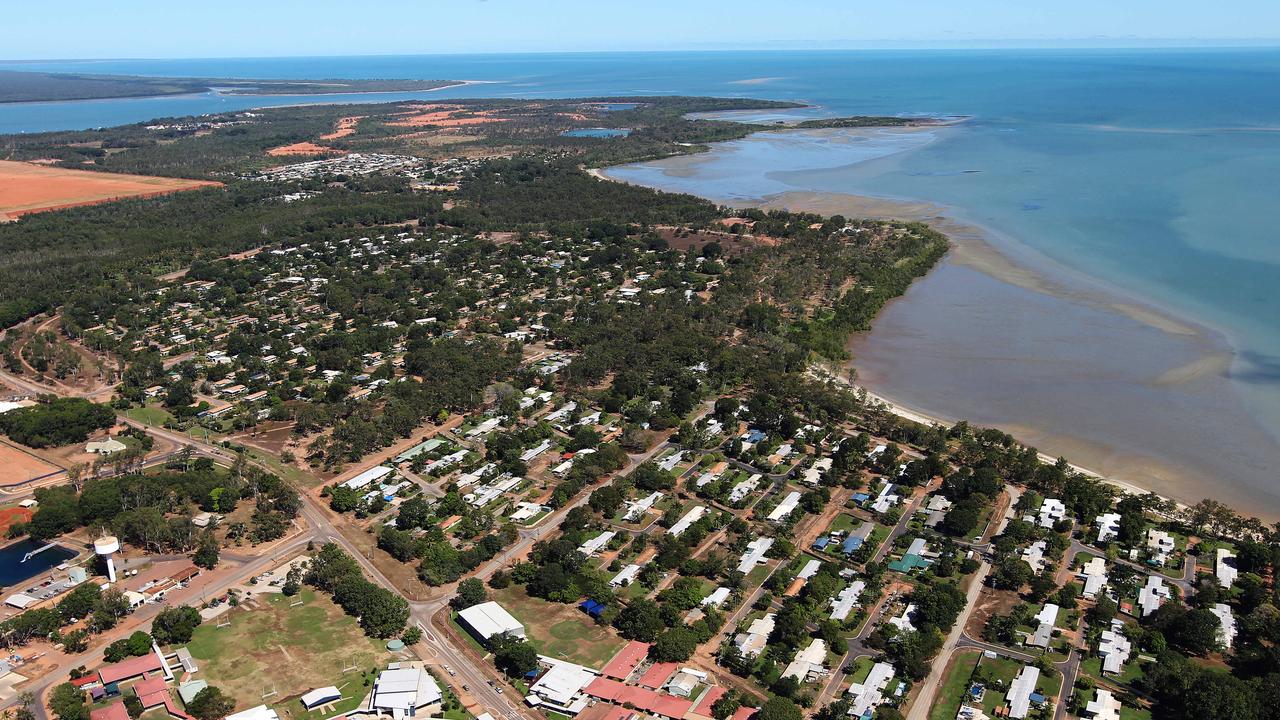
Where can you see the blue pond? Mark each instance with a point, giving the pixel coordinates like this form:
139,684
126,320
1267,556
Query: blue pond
615,107
14,571
596,132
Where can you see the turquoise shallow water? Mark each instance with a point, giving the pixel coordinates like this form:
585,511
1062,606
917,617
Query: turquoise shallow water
1154,173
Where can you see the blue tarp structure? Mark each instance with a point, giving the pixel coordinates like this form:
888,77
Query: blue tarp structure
592,608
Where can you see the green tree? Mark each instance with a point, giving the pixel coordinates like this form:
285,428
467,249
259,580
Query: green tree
470,592
67,702
206,555
175,625
779,708
211,704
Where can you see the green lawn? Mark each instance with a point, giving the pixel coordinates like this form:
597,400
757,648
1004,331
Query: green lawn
844,523
286,649
1131,671
149,415
559,630
954,685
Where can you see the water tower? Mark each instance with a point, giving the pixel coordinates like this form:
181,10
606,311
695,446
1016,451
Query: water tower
106,546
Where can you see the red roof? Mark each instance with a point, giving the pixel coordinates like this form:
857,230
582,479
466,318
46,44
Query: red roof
86,680
131,668
114,711
151,691
656,675
638,697
626,660
744,713
708,699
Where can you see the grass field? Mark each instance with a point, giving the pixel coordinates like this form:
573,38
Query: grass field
288,649
27,188
560,631
149,415
954,684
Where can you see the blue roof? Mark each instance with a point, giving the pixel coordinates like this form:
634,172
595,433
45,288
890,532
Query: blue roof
1037,698
755,436
852,543
821,543
861,497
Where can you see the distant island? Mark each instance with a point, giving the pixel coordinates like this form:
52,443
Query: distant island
17,86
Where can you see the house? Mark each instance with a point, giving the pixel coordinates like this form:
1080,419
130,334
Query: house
626,576
785,508
694,515
935,510
114,711
405,690
752,642
813,475
1103,706
640,507
1226,624
716,598
1021,691
1108,527
886,499
843,603
1051,511
755,554
903,621
1152,595
364,479
105,447
1033,555
1094,575
561,687
857,538
913,558
683,683
810,663
1045,619
743,489
1225,567
1161,545
869,694
489,619
1114,648
597,543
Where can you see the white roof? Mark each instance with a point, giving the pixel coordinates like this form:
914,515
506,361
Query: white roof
368,476
1114,648
627,575
489,619
320,696
868,693
1104,706
843,604
809,570
404,689
1152,595
19,600
1224,569
1048,614
1019,697
755,554
809,660
1226,624
261,712
563,682
694,515
716,598
785,507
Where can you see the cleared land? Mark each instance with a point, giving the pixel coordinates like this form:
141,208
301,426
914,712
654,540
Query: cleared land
560,631
302,148
286,649
17,466
27,188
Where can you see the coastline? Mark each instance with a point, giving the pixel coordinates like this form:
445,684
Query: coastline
1120,462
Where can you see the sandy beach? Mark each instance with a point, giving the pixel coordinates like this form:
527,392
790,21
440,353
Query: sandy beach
1078,370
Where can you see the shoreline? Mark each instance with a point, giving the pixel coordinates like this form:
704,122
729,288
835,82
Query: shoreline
215,92
972,247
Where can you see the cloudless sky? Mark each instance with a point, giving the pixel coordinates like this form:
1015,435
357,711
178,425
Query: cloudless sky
259,28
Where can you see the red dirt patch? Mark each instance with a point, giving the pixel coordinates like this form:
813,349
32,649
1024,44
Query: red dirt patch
13,516
302,148
27,188
446,118
346,126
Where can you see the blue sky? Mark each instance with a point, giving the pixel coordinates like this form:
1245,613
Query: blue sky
239,28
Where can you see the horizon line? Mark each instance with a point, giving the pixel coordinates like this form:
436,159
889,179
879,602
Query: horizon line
871,46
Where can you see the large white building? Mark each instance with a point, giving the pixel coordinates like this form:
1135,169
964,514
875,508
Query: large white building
402,692
561,687
489,619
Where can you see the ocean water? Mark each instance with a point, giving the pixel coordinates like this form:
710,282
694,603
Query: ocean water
1149,176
